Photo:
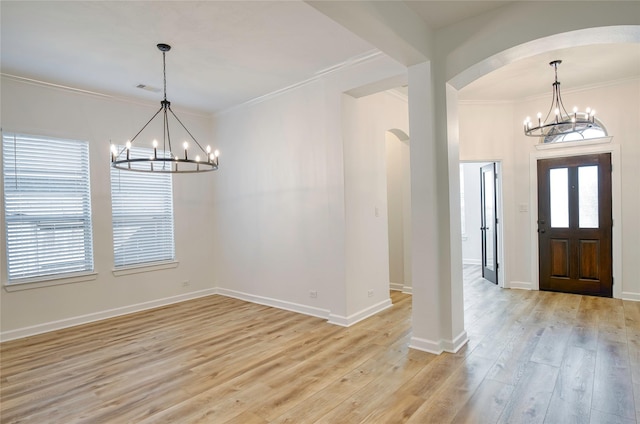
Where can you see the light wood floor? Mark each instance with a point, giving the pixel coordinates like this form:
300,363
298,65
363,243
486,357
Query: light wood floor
532,357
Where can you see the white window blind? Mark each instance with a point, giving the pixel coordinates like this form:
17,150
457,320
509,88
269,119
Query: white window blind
47,204
142,210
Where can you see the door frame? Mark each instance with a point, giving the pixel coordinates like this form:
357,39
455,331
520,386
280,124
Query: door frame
548,151
499,213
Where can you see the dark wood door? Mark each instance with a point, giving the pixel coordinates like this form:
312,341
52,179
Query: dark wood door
489,223
574,224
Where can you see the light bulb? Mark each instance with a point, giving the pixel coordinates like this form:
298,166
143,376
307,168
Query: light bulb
557,111
588,110
216,153
539,115
208,149
593,112
114,149
197,158
575,109
155,143
185,145
128,144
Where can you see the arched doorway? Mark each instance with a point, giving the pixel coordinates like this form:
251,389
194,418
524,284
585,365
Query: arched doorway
522,250
398,209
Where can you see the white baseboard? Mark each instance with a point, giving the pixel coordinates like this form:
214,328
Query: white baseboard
396,286
426,345
437,347
452,346
275,303
524,285
630,296
471,261
401,288
98,316
359,316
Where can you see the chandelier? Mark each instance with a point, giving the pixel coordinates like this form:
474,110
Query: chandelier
165,160
558,121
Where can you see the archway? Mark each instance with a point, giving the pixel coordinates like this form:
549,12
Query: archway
586,37
398,209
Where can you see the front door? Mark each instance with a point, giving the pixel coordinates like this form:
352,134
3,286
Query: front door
574,224
489,223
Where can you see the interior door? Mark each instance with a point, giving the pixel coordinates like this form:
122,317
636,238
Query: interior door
575,224
489,223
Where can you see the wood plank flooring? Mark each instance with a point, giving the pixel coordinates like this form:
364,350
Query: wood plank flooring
533,357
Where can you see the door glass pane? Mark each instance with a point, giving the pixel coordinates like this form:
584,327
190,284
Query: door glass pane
588,196
489,218
559,197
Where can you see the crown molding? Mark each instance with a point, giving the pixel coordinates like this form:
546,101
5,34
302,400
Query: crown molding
353,61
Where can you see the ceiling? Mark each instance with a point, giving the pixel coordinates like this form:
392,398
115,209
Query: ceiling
438,14
581,67
225,53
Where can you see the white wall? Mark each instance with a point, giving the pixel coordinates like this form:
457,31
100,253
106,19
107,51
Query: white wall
295,205
278,229
618,105
366,121
393,148
42,110
472,237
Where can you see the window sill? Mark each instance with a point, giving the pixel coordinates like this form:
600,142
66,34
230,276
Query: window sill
137,269
36,283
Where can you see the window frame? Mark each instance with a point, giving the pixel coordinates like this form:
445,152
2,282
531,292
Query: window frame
39,173
117,178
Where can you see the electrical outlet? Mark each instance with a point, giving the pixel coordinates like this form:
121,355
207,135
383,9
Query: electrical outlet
186,283
370,293
313,294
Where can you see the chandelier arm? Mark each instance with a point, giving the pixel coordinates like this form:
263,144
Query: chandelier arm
553,97
165,132
560,104
145,125
185,128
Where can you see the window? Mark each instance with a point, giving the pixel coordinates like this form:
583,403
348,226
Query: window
47,205
142,211
596,131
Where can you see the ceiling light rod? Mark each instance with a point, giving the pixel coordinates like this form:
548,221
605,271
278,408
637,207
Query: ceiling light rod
167,161
558,121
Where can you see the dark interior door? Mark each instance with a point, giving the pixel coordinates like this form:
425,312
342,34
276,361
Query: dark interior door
489,223
574,224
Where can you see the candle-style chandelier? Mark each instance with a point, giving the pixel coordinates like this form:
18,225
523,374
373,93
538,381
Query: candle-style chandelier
558,122
165,160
